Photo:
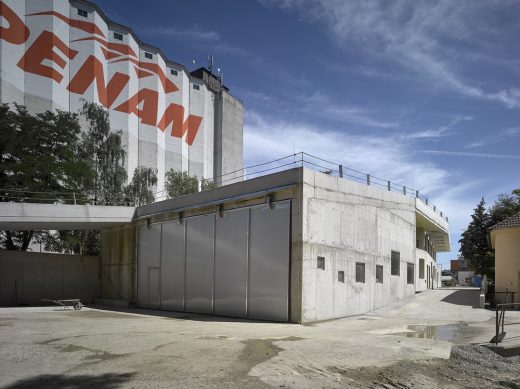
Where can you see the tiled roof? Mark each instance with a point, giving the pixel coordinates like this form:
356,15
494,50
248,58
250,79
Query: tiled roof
510,222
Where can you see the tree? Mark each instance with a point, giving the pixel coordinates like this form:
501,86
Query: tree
474,246
103,151
181,183
139,192
39,154
506,206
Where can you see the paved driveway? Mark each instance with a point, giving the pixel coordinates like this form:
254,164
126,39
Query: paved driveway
46,346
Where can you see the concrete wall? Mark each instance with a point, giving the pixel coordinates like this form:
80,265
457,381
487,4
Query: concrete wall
118,264
347,222
26,278
507,260
421,283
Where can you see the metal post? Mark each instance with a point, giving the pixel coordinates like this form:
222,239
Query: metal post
404,190
417,193
340,171
389,186
434,208
497,326
74,197
368,179
426,201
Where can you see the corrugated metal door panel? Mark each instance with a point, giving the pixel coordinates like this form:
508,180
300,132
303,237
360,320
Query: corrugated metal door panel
149,246
199,263
154,296
172,266
231,263
269,237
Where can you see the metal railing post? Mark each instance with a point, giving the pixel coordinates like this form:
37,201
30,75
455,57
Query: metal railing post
340,171
404,190
368,179
417,193
389,186
497,325
74,197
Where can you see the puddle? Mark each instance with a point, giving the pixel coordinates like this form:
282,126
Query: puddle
449,332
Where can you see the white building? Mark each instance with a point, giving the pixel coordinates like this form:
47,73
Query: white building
54,53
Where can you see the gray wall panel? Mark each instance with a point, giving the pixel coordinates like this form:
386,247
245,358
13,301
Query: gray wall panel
148,256
172,266
199,263
154,294
269,262
231,263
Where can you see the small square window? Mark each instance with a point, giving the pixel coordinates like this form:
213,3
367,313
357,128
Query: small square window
341,276
379,274
360,272
148,55
395,269
83,13
174,72
321,263
196,87
118,36
410,276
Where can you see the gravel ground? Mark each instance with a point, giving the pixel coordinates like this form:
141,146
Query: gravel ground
469,366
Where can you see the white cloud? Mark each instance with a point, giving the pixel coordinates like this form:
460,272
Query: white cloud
191,34
496,138
438,132
469,155
415,34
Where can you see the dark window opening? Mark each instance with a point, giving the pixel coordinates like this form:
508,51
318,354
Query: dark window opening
395,269
321,263
421,268
410,276
148,55
118,36
379,274
341,276
174,72
360,272
196,87
83,13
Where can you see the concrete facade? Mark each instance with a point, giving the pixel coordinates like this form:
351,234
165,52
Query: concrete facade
56,53
337,228
506,243
26,278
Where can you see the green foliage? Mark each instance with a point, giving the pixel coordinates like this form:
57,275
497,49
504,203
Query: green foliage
82,242
181,183
38,153
139,192
103,151
474,244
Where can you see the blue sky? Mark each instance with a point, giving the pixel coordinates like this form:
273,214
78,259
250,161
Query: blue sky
423,93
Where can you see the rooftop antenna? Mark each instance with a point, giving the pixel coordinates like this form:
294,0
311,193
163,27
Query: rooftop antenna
210,63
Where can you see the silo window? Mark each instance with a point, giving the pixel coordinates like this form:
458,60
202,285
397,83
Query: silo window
321,263
118,36
174,72
341,276
148,55
196,87
82,12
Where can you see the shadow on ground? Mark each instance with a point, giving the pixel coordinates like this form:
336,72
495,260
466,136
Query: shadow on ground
104,381
470,298
175,315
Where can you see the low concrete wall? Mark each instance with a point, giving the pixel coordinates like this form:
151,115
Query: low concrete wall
26,278
118,265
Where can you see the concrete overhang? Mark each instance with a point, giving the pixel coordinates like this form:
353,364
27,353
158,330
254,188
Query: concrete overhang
434,224
31,216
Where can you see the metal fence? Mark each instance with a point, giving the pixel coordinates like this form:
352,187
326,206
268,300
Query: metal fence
301,159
